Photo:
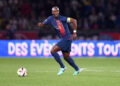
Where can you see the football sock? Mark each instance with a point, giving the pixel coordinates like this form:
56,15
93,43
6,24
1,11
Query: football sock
57,58
72,63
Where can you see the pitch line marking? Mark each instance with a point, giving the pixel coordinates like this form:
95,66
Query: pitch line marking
84,69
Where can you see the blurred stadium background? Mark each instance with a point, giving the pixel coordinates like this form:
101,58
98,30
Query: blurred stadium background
98,36
97,19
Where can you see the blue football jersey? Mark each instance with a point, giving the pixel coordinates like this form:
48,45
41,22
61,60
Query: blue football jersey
60,25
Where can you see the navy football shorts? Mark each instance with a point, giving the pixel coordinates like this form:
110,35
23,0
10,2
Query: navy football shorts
65,44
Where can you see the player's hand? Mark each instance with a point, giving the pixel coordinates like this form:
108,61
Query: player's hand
40,24
74,35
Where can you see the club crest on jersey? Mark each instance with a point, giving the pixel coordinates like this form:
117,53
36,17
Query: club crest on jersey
58,23
56,27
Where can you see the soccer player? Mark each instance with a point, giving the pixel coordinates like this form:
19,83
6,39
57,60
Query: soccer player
60,25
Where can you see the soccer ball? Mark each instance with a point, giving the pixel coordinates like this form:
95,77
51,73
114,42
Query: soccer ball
22,72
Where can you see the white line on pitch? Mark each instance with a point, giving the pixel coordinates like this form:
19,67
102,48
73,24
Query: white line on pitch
83,69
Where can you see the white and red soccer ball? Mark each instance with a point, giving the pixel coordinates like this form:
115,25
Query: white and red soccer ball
22,72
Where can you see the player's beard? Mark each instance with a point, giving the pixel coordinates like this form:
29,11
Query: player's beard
56,16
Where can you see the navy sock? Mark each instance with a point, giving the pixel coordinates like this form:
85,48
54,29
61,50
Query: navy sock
72,63
57,58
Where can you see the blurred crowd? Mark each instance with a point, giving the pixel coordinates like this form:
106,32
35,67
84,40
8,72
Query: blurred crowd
91,14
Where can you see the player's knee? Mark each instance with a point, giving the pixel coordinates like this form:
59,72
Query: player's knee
66,57
52,51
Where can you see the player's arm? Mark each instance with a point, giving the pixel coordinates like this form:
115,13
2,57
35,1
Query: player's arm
74,22
42,24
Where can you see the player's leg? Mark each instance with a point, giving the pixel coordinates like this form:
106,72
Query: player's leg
56,56
67,57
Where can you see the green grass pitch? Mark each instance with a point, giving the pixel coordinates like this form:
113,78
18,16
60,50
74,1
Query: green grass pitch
43,72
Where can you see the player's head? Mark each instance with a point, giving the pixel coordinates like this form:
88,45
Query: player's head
55,11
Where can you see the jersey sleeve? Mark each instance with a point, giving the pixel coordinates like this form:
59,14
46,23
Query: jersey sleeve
66,19
47,21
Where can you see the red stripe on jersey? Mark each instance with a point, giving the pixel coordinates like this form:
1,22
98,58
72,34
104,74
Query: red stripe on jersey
61,28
